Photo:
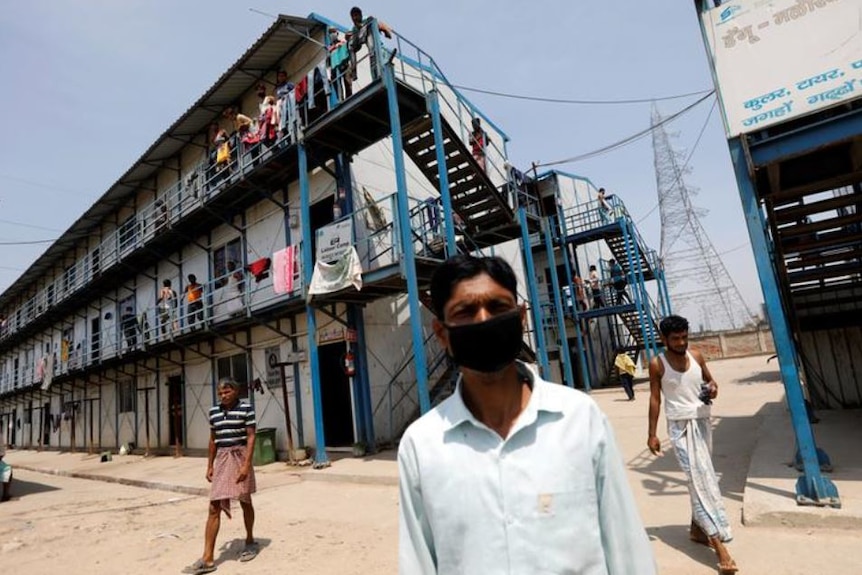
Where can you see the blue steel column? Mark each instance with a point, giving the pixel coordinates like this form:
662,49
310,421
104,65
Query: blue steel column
541,349
585,372
558,306
811,487
662,287
358,321
628,241
442,172
408,262
320,457
649,334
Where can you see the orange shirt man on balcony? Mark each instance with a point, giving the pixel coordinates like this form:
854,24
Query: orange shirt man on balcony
194,299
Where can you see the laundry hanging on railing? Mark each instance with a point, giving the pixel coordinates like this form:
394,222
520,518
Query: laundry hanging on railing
48,372
259,269
284,268
341,274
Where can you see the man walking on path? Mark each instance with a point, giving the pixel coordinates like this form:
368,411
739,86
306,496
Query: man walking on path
626,368
511,474
688,388
229,469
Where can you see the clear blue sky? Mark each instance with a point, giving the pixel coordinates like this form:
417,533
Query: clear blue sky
89,85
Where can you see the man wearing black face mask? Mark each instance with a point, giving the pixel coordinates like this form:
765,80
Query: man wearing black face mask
511,474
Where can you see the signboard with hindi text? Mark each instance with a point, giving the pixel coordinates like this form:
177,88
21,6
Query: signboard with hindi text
780,59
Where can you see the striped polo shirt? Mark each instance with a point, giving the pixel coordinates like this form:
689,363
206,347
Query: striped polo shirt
230,425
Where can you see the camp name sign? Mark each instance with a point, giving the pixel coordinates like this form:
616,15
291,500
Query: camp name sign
334,240
779,59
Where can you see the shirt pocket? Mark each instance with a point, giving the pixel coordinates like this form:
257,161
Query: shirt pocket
565,528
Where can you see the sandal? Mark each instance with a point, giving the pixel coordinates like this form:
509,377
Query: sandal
199,568
249,552
728,568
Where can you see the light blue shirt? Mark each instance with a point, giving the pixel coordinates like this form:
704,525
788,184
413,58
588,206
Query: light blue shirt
550,498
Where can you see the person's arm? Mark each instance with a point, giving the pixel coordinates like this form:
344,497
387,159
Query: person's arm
250,435
211,453
415,541
384,28
625,543
705,374
656,371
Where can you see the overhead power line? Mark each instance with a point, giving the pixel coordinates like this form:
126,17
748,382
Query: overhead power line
629,139
28,243
579,101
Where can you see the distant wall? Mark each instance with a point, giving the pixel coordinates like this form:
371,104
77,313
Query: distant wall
735,343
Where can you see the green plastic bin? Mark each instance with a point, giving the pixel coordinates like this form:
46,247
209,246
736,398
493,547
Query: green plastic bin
264,446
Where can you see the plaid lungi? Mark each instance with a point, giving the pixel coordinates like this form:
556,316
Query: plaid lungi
226,467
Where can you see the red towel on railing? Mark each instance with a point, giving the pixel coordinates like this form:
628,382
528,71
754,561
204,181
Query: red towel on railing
259,268
301,88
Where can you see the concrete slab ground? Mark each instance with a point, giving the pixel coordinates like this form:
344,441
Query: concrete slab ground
752,446
770,484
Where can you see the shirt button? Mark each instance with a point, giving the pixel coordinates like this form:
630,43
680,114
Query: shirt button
509,520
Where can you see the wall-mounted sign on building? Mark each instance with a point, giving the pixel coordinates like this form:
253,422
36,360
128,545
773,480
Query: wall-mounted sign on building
779,59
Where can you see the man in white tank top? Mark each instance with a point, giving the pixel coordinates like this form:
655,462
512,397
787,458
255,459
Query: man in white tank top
684,379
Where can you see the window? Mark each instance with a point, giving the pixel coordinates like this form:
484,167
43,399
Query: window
229,252
236,367
127,395
69,277
128,233
95,261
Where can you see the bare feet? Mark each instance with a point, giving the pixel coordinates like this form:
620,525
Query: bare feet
696,534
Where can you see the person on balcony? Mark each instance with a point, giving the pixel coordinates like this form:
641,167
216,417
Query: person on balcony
605,210
360,35
194,301
160,210
619,283
167,307
511,473
478,142
339,65
580,293
596,288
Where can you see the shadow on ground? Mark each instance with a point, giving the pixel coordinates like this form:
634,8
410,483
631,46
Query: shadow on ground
766,376
22,488
676,536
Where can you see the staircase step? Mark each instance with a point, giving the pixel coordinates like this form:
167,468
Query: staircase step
824,272
797,212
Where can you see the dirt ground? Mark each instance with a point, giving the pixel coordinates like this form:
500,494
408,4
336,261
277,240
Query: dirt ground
83,527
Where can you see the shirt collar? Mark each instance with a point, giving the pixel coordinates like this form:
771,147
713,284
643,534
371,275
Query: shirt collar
455,411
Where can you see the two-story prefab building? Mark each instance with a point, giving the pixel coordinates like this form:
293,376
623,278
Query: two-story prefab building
281,232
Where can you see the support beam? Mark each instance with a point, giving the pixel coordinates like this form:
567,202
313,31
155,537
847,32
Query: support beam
812,488
408,257
320,457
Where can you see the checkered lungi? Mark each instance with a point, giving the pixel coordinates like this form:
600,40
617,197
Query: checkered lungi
226,467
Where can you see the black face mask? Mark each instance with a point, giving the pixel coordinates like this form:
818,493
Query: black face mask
487,346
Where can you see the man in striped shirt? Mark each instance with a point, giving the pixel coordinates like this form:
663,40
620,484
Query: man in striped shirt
229,469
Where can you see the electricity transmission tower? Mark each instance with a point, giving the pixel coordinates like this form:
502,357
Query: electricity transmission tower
700,287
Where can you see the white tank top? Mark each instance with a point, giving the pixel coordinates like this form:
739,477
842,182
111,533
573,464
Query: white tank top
682,390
